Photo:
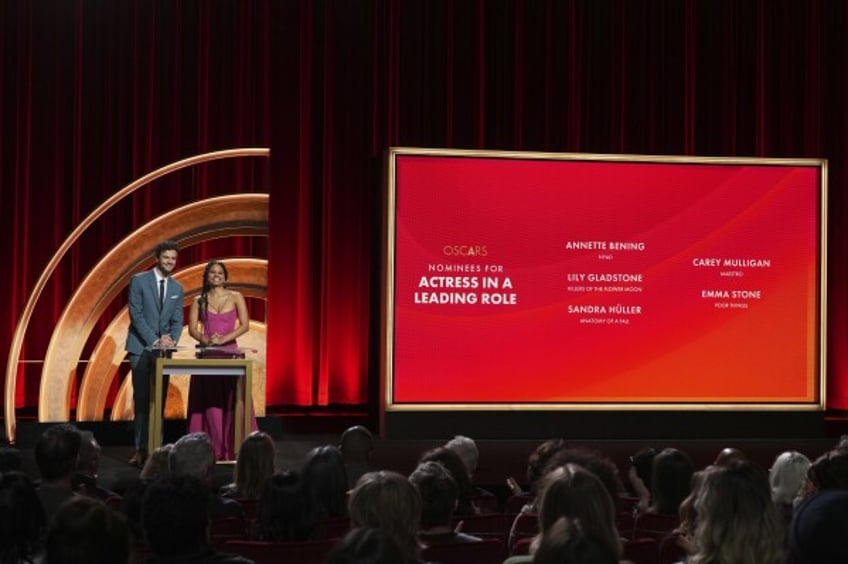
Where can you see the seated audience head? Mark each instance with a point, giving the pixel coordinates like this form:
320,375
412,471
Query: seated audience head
438,494
467,450
687,513
88,462
728,455
255,464
156,465
594,462
282,513
357,444
538,460
193,455
453,463
737,521
56,453
787,476
829,471
387,501
366,546
325,481
86,530
22,519
672,480
175,516
819,529
643,462
357,448
567,543
573,491
10,459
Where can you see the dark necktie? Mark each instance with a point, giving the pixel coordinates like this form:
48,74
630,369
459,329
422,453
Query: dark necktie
161,293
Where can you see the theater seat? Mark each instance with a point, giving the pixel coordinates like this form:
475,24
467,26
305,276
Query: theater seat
487,551
261,552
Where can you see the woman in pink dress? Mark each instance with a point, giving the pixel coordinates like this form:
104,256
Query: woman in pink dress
216,318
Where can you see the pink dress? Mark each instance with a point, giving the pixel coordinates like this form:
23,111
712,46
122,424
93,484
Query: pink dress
211,399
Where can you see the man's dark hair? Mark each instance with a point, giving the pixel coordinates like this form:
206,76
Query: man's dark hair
175,516
86,530
10,459
167,245
438,493
356,443
56,452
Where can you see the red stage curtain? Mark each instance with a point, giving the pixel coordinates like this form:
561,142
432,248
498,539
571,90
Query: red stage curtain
95,94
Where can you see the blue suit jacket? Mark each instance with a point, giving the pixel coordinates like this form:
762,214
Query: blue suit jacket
147,321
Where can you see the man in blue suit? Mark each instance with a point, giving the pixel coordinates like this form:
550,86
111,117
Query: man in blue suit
156,320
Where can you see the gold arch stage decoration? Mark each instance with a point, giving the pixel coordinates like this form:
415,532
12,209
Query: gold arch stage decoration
26,314
247,275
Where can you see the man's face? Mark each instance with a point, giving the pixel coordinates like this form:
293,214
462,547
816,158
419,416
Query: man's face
166,262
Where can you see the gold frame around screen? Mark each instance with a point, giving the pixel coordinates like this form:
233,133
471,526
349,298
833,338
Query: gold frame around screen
388,306
240,214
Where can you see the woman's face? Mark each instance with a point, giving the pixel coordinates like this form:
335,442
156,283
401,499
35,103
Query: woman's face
216,276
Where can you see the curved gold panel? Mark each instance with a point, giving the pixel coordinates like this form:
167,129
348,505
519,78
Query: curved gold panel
247,275
29,307
178,388
239,214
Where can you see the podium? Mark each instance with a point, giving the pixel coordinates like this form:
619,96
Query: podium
240,368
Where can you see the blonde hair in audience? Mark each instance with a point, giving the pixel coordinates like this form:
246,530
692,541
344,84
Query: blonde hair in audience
737,521
387,501
787,476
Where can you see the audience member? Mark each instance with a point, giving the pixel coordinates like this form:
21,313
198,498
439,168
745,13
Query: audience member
56,453
687,513
325,482
574,492
23,523
594,462
467,450
438,500
10,459
388,501
176,518
639,472
255,464
156,465
727,455
829,471
737,523
86,530
366,546
283,509
567,543
155,468
819,529
536,464
193,455
88,464
671,479
357,448
786,478
450,460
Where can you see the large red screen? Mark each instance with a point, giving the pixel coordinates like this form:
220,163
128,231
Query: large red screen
590,279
